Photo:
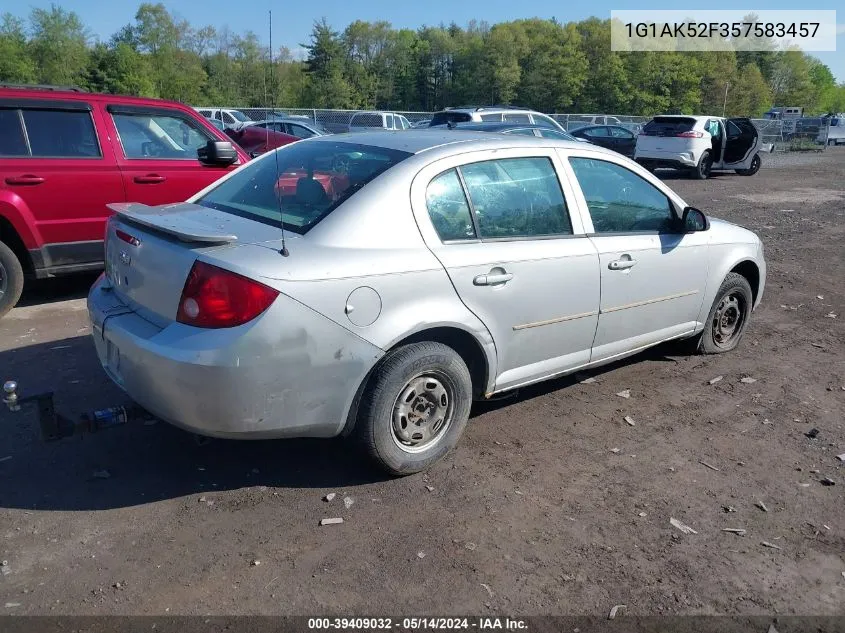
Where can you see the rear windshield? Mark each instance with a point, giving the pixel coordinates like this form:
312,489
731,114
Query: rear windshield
667,126
374,119
442,118
311,180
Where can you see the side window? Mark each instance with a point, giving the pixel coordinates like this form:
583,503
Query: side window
618,132
228,118
159,136
300,131
516,197
597,132
491,117
516,117
619,200
448,209
388,118
542,119
12,141
61,134
733,129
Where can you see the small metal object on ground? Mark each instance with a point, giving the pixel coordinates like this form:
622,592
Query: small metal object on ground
333,521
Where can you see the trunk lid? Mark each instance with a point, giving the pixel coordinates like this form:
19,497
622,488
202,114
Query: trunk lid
150,251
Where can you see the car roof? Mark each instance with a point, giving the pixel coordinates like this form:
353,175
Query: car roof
418,140
25,92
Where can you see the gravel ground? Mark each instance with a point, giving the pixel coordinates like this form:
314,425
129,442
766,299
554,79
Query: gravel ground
534,513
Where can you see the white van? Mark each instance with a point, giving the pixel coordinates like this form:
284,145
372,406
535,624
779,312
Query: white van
834,134
368,121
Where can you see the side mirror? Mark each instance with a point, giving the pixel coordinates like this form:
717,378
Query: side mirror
694,220
218,153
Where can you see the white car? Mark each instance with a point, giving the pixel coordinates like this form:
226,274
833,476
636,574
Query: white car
494,114
231,119
699,144
369,121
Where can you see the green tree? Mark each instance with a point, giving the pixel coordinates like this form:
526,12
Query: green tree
120,69
16,64
327,84
59,46
790,80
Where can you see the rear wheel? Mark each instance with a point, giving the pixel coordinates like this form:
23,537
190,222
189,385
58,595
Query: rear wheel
415,407
728,316
11,279
756,163
702,170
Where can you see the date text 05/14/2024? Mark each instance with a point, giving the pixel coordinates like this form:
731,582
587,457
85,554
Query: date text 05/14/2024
421,623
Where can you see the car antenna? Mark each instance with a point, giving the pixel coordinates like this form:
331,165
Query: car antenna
284,250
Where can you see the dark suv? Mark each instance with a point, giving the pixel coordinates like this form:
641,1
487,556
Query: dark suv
66,153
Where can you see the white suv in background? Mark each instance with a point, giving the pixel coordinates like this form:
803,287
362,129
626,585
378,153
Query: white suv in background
699,144
496,114
231,119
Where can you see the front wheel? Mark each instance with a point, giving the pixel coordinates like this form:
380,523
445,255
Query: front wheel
728,316
415,407
11,279
756,163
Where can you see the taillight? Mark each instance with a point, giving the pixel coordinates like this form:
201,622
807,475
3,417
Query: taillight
690,134
129,239
216,298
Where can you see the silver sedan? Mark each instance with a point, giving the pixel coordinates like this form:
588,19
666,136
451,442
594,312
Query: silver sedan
374,284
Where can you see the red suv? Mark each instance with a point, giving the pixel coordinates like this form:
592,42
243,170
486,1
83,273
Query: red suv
66,153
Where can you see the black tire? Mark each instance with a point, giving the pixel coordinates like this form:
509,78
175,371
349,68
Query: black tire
702,170
382,426
756,163
728,316
11,279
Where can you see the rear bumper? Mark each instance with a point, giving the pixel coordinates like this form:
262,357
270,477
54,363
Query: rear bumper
289,373
674,160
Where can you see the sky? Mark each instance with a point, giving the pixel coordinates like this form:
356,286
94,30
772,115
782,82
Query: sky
292,21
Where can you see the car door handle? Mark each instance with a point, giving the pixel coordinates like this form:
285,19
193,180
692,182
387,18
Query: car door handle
149,179
27,179
622,264
492,279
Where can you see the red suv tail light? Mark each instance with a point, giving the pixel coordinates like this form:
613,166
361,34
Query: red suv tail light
690,134
217,298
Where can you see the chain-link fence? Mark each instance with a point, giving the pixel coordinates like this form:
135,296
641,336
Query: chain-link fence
783,135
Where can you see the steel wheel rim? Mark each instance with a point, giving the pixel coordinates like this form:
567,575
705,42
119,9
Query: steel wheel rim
728,319
755,163
423,411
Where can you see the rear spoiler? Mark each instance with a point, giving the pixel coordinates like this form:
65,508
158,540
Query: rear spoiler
183,221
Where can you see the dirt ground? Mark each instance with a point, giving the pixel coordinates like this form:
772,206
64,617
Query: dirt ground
532,514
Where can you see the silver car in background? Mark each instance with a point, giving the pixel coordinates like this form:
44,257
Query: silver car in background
416,271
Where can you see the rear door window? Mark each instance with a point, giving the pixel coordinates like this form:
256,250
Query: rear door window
61,134
668,126
448,208
12,140
491,117
516,198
